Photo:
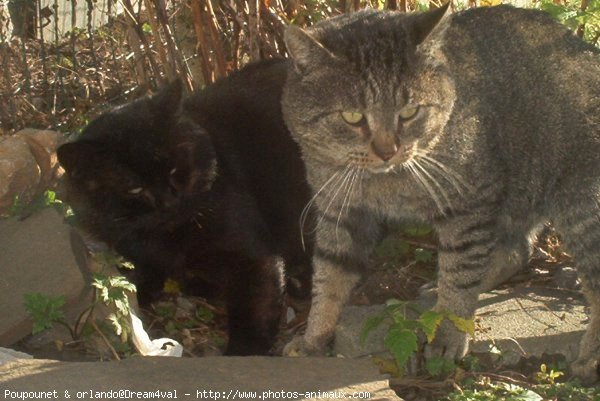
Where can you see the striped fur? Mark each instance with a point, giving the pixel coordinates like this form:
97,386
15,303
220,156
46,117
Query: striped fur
506,137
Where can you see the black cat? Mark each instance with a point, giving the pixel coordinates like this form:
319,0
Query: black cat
206,189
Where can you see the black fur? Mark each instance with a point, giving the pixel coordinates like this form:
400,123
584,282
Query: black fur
208,189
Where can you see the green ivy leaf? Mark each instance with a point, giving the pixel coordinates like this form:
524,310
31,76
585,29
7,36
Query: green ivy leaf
393,306
440,366
370,324
464,325
402,343
430,321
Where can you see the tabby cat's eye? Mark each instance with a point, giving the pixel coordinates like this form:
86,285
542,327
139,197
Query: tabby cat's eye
353,117
135,191
408,111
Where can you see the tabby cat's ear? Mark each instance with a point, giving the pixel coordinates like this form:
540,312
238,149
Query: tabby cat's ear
73,155
304,50
423,23
168,100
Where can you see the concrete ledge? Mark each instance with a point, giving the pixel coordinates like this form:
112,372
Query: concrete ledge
310,378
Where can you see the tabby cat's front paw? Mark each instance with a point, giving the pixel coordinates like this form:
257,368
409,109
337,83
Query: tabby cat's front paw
586,369
449,343
300,347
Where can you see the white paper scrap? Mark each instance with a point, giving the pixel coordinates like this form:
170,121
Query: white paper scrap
145,346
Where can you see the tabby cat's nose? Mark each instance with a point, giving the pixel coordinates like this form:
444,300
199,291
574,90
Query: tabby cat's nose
385,153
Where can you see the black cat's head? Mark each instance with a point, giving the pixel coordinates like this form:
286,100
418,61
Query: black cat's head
142,164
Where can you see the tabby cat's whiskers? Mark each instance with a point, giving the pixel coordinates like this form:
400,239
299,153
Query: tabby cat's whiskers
457,181
306,210
343,181
355,173
435,182
410,165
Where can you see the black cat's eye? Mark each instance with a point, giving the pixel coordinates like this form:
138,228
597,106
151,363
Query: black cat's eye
408,112
135,191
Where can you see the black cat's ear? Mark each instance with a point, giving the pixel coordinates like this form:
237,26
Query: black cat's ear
168,100
304,50
73,155
423,23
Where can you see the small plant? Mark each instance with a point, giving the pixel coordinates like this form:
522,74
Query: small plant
487,390
585,20
46,199
403,333
495,387
110,290
45,311
547,377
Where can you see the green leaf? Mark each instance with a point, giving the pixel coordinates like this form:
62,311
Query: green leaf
126,265
44,310
440,366
418,230
464,325
395,302
206,315
391,248
393,306
423,255
402,343
430,321
114,320
370,324
408,324
527,395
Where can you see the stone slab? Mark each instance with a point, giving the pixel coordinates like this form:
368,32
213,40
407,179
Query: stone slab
195,378
519,322
36,255
530,321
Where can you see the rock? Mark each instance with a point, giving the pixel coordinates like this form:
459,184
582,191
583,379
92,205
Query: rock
208,378
347,341
28,165
39,254
19,173
519,322
566,277
9,355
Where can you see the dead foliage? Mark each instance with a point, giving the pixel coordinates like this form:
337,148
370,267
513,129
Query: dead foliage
61,80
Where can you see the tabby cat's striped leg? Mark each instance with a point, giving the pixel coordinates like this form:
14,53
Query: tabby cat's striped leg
468,247
341,253
579,223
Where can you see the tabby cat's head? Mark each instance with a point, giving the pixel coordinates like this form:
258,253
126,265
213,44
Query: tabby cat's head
367,89
140,164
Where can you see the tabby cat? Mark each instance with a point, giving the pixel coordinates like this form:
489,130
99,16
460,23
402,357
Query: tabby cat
207,190
485,124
